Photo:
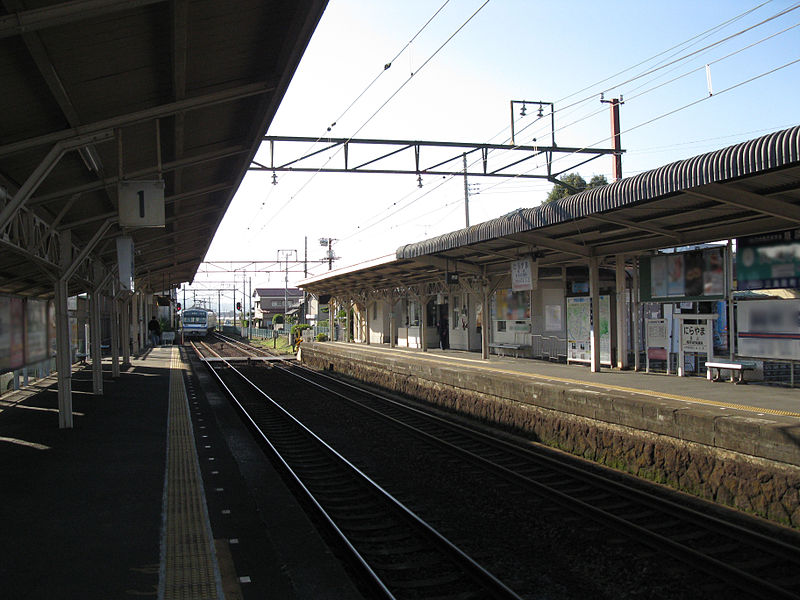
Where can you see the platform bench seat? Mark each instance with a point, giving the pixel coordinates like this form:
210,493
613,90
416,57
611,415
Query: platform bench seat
501,348
732,365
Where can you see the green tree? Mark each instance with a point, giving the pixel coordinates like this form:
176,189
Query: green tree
578,183
277,319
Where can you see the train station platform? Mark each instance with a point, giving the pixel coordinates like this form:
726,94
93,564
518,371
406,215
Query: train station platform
738,445
157,491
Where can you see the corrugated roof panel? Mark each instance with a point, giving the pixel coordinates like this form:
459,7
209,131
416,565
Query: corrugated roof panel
768,152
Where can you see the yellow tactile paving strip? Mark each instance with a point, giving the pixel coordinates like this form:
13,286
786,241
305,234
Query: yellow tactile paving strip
188,563
480,365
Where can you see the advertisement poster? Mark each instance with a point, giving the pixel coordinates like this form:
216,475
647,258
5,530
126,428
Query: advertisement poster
768,261
658,277
17,345
512,306
552,318
5,333
713,272
769,329
35,331
579,328
676,284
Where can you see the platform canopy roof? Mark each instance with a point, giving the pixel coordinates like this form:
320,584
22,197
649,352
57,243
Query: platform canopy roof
101,91
746,189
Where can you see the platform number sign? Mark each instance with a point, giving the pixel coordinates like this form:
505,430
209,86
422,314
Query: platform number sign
141,203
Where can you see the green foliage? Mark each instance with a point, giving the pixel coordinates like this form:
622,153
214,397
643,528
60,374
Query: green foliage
321,337
574,180
299,328
342,314
291,319
277,319
322,324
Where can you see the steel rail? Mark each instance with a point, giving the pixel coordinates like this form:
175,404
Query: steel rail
491,586
662,542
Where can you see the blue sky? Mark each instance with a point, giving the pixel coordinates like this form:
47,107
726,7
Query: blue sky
562,52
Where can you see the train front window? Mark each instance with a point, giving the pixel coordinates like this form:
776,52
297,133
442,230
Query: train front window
189,319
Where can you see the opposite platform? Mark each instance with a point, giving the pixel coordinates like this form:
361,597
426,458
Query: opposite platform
736,445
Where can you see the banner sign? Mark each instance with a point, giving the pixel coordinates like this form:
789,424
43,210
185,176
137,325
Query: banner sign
125,262
768,261
694,338
141,203
522,275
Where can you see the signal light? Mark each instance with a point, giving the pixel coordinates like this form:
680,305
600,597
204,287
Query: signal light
178,307
238,306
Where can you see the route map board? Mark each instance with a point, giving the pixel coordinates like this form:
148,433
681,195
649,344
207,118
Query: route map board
579,328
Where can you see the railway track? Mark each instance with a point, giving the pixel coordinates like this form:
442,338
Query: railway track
396,552
745,558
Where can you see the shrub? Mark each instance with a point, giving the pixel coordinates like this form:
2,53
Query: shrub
321,337
299,328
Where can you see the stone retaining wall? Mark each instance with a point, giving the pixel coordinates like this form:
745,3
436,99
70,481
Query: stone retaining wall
684,448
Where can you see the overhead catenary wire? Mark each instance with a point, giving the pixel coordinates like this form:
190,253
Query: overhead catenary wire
386,102
369,86
703,35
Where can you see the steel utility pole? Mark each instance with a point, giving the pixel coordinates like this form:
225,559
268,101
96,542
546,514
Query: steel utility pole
616,143
466,192
286,254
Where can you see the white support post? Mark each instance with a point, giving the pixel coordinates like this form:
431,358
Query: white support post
423,299
125,326
64,350
594,292
115,324
729,298
391,321
635,318
622,315
97,354
347,320
366,322
135,322
486,321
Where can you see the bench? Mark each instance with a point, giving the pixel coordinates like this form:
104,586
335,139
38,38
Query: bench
501,348
732,365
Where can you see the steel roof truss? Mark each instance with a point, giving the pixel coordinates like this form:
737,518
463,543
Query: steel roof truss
740,198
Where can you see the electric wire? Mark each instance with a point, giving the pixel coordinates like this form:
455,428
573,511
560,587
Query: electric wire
650,71
385,103
385,68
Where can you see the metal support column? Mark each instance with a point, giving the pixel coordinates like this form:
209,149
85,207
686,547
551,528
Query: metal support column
63,349
622,315
366,323
391,320
94,325
423,300
134,322
115,335
125,326
635,318
594,292
485,320
347,320
729,299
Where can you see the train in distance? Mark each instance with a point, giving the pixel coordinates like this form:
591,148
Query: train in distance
198,321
